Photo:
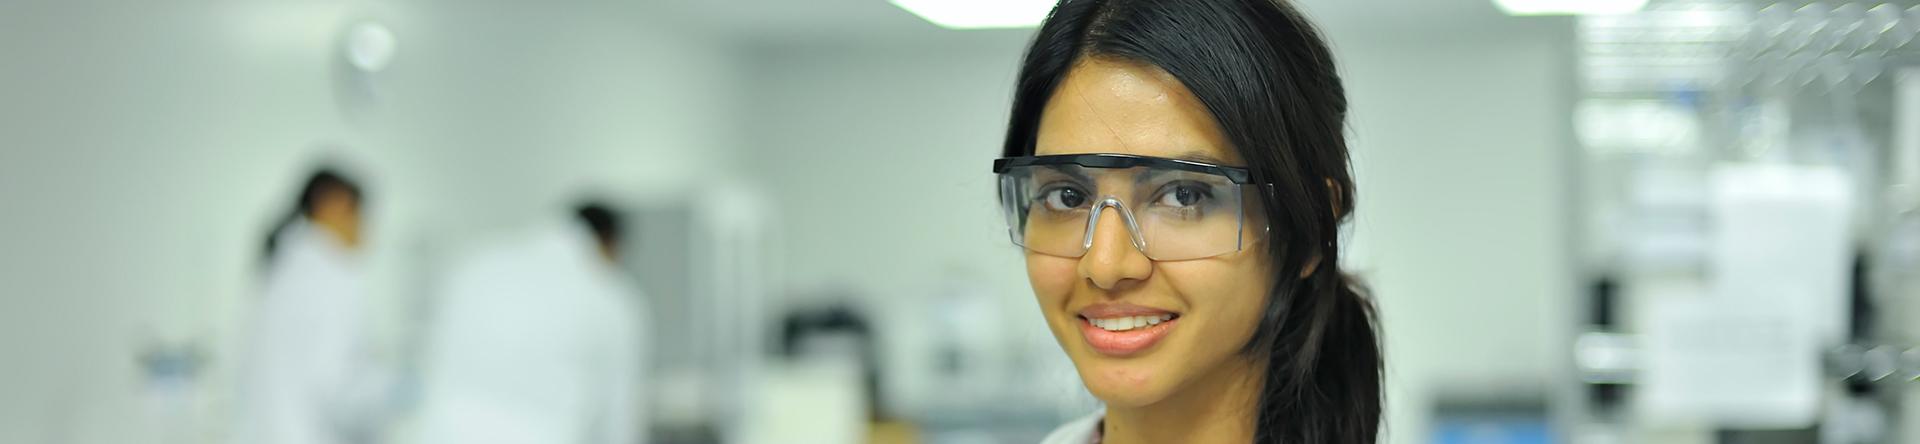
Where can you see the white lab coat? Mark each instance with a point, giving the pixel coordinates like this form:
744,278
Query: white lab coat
1085,430
536,342
305,360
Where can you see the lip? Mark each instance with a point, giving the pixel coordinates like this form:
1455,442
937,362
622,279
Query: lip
1123,343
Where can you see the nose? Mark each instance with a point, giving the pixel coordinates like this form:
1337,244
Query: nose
1113,253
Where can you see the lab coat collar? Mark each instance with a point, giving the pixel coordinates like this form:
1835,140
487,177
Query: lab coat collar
304,234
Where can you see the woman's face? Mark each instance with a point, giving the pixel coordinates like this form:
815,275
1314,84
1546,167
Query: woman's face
1215,303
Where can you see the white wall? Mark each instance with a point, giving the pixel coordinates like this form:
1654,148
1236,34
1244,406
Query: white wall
145,148
879,158
879,155
1462,151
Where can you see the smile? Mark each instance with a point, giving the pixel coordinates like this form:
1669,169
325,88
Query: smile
1121,330
1130,322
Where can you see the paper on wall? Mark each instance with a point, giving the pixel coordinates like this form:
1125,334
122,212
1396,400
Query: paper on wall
1746,352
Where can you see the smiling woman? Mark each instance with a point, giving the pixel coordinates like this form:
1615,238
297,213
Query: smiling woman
1177,173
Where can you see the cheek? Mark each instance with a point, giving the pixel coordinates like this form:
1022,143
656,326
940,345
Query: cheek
1052,277
1230,295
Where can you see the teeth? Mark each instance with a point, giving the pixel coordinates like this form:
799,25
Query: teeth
1130,322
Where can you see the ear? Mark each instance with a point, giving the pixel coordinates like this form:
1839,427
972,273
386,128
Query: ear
1333,192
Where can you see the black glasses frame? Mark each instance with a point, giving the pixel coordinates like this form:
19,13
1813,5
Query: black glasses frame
1235,174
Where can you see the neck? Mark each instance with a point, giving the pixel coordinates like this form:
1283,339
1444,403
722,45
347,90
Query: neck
338,233
1220,406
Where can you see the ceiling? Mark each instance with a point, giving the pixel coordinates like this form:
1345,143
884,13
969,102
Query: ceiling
790,21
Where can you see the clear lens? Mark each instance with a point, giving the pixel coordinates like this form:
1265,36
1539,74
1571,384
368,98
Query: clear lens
1174,214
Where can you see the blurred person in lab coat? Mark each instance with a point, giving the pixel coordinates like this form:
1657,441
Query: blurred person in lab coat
537,342
304,376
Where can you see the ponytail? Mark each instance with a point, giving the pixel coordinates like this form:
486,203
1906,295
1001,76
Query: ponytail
1323,365
273,236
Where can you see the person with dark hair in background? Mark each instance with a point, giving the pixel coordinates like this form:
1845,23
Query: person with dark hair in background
329,202
537,341
305,376
1176,172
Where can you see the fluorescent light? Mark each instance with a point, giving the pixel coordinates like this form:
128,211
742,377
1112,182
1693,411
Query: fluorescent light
979,14
370,46
1569,7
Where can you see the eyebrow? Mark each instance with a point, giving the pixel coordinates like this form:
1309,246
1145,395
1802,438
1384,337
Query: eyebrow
1152,175
1200,156
1070,170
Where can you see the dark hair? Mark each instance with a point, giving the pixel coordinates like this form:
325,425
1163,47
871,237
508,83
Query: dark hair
324,180
603,220
1269,81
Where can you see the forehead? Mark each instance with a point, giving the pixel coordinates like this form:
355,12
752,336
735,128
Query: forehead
1105,106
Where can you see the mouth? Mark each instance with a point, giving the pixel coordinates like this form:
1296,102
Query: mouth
1121,331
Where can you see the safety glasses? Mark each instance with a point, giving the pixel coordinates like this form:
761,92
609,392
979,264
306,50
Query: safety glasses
1173,209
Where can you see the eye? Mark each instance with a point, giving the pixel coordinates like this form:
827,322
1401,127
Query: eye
1183,194
1063,198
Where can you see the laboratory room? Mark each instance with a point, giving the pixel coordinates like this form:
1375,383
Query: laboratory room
960,222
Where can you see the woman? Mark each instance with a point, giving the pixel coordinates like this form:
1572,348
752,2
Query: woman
305,376
1176,171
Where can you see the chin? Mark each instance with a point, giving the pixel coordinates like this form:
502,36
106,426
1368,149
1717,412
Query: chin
1133,382
1136,380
